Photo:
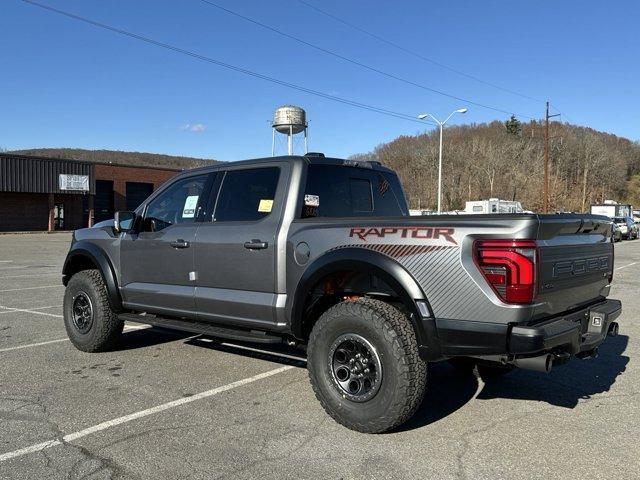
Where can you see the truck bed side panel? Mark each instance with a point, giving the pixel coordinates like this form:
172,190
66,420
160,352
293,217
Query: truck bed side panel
437,252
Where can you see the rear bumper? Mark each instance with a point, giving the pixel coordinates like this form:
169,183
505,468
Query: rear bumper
579,331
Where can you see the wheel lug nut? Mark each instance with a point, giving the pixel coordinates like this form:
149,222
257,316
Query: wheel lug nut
366,370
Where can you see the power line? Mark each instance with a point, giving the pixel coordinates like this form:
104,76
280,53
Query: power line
229,66
360,64
416,54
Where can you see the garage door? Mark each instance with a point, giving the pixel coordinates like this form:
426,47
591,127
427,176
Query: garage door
137,192
103,202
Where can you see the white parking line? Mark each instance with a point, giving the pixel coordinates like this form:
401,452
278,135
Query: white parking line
58,340
625,266
26,276
24,267
6,261
24,310
31,288
13,309
141,414
20,347
259,350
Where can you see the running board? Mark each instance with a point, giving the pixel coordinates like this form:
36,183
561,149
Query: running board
202,328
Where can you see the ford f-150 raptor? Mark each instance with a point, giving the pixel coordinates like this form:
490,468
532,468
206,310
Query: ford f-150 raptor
321,253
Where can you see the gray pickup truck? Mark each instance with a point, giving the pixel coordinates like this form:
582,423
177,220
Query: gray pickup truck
321,253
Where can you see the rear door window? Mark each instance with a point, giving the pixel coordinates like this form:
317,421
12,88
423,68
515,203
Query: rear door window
342,191
247,195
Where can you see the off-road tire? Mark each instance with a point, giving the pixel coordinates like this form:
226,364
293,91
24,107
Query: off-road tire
105,329
485,371
404,373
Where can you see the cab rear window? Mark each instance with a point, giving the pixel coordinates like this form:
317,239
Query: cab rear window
342,191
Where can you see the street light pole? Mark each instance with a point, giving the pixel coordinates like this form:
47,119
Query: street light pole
441,125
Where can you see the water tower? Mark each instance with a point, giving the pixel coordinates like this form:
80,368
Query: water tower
289,120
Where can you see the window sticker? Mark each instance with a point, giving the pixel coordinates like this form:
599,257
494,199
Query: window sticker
189,210
265,206
312,200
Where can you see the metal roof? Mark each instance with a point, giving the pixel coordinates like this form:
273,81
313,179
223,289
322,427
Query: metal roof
19,173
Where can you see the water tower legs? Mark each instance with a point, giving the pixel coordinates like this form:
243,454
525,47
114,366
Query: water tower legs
273,142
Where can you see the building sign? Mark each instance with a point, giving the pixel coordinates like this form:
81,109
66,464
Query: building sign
74,182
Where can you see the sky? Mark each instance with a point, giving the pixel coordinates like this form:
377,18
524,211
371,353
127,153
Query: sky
64,83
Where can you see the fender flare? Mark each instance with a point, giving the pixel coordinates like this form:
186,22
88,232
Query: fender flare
386,268
100,259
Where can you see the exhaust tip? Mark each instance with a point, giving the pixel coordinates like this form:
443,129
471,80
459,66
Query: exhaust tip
613,329
542,363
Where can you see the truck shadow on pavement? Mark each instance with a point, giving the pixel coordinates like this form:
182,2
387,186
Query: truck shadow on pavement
449,390
566,384
149,337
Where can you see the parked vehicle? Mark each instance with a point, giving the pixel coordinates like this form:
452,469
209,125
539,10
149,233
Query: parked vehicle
322,253
493,205
628,228
616,233
636,218
612,209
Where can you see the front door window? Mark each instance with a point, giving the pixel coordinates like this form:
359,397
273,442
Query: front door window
178,204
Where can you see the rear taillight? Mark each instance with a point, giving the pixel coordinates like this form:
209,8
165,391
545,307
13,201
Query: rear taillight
509,266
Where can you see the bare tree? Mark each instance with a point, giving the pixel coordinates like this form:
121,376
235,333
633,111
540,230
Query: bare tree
482,161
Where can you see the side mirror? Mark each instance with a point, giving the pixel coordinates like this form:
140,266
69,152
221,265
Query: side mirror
124,221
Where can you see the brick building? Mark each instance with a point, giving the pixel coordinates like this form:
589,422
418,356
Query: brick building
40,194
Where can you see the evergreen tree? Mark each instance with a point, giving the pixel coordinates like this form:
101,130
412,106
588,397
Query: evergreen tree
513,126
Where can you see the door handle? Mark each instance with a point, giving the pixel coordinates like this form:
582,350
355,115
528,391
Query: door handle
180,244
256,245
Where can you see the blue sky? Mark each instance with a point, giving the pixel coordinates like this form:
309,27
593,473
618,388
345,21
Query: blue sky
68,84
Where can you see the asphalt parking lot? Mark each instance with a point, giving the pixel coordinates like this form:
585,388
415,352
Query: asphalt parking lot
168,405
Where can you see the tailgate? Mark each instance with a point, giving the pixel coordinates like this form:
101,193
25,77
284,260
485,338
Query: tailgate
575,261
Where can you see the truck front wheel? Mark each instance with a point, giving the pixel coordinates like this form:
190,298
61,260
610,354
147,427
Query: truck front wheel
91,324
364,365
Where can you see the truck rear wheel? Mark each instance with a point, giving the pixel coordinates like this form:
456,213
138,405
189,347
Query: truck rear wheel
364,365
91,324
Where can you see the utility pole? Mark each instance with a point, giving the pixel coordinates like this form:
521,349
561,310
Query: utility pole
545,192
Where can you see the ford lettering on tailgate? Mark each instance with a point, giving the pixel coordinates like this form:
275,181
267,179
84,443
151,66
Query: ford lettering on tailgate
582,266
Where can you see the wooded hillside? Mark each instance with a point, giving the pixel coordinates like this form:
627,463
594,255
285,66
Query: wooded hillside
505,160
138,159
